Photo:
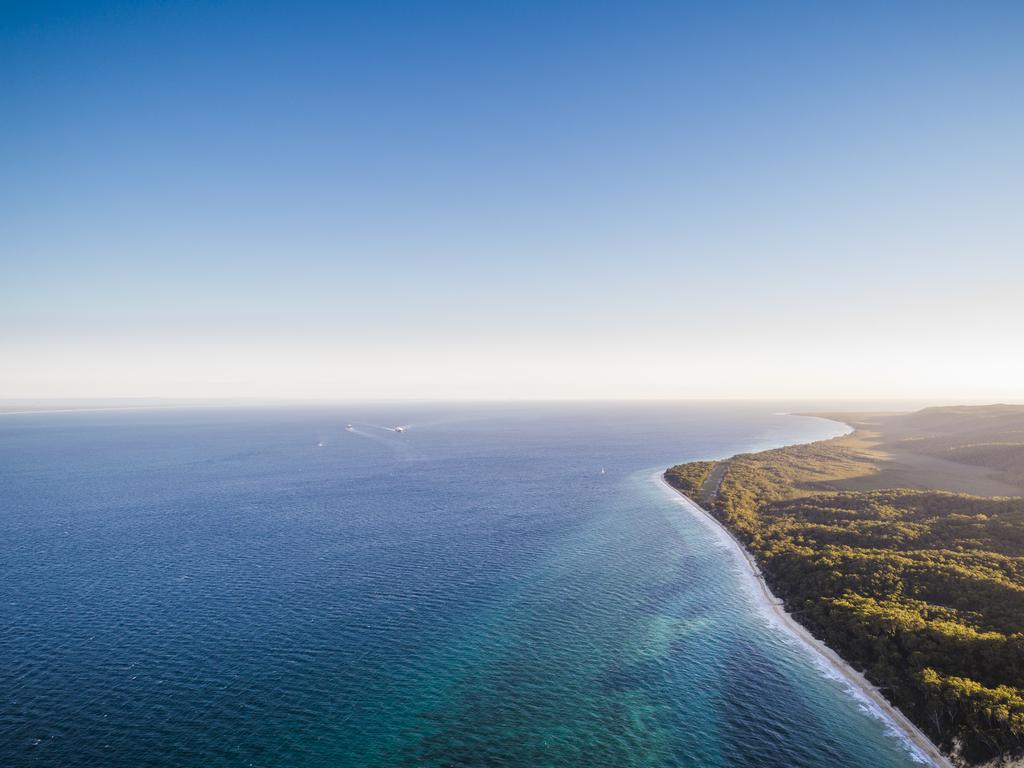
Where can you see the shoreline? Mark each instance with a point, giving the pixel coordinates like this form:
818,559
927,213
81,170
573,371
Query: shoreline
775,607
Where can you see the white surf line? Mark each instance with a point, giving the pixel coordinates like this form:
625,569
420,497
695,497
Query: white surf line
922,748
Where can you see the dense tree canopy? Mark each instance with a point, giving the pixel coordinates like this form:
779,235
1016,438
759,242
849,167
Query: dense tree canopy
690,477
922,590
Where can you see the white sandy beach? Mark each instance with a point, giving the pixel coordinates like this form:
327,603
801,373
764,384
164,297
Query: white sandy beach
773,606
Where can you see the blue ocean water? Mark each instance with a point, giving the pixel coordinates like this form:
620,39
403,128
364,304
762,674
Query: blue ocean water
260,587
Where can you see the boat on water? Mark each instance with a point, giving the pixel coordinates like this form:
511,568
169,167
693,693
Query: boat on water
399,429
348,427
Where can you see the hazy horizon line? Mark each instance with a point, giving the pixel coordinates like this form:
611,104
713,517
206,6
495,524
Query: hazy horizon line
169,400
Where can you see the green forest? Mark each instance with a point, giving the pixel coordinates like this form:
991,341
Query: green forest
688,478
921,590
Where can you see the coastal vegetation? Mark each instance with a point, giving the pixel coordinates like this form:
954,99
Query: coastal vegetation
922,590
690,477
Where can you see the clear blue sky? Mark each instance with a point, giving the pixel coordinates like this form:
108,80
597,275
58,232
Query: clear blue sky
383,199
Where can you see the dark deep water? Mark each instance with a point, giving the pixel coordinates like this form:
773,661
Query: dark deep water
259,587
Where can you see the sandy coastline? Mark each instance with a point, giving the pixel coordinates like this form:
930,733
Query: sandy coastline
774,606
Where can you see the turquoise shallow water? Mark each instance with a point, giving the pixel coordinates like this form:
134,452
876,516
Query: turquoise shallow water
259,587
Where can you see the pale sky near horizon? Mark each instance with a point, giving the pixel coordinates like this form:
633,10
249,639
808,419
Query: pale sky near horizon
535,200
